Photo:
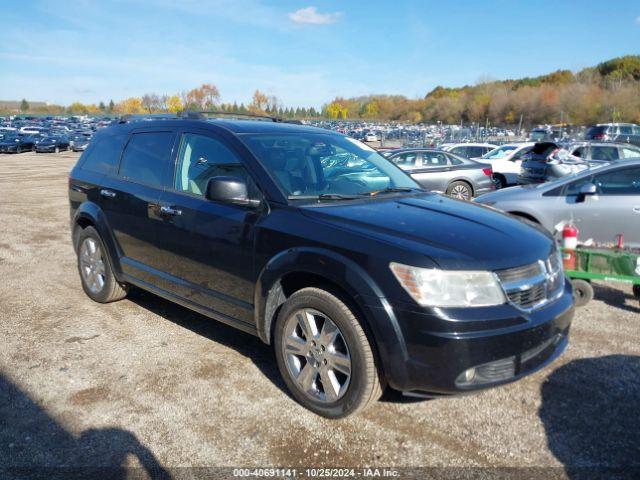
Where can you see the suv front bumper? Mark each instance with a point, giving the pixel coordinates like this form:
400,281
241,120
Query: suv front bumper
455,351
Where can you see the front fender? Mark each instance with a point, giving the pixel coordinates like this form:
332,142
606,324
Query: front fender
90,212
350,277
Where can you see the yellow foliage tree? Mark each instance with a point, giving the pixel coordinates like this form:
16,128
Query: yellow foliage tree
174,104
130,105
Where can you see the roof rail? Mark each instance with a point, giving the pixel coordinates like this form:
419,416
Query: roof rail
201,115
128,117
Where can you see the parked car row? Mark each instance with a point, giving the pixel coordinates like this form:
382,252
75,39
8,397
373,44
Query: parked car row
47,134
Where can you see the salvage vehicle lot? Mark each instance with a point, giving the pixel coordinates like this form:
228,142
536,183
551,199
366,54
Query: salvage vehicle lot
144,381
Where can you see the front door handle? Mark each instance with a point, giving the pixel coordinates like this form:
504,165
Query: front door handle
166,210
107,193
636,209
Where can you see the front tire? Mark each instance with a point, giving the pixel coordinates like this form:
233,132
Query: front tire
582,292
324,355
96,274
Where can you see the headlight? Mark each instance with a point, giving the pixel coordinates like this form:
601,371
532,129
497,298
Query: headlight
431,287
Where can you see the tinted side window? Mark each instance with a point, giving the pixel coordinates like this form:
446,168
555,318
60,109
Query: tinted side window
145,156
201,158
460,151
604,153
473,152
104,156
453,160
626,130
407,161
434,159
619,182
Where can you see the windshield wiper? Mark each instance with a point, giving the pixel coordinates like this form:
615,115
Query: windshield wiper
390,190
324,196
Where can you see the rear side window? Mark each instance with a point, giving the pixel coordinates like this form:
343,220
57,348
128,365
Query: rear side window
626,130
407,160
628,152
604,153
145,157
104,155
460,151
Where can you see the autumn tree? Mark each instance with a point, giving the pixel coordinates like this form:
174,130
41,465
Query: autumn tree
259,102
151,102
174,104
131,105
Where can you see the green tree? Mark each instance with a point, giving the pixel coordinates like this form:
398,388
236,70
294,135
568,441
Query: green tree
24,105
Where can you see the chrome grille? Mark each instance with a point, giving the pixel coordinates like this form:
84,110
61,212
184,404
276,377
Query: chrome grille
531,286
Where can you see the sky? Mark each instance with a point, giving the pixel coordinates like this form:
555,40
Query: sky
305,53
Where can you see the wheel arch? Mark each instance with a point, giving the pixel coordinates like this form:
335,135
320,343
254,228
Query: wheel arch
528,216
89,214
298,268
466,180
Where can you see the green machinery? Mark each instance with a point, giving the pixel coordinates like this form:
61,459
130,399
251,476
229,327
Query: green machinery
583,265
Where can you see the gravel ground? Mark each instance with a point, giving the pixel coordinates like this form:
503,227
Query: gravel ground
143,382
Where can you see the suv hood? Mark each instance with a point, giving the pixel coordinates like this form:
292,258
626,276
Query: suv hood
453,233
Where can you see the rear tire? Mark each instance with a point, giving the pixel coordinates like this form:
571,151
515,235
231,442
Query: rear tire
460,190
94,267
500,181
57,150
636,291
335,339
582,292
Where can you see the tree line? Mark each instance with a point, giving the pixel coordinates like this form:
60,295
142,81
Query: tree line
610,91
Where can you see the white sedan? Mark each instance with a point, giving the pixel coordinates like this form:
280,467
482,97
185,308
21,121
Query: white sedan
506,161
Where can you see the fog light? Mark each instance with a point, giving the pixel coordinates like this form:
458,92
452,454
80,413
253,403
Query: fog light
468,375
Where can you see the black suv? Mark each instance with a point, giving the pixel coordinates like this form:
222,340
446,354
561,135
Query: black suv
322,248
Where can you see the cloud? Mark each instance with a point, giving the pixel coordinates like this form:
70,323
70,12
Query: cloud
638,20
311,16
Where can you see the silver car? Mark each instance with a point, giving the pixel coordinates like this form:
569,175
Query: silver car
444,172
602,202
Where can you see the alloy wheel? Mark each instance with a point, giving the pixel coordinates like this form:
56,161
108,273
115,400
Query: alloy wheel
92,265
316,355
461,191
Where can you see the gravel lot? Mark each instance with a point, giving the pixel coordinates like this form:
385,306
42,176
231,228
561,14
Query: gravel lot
143,382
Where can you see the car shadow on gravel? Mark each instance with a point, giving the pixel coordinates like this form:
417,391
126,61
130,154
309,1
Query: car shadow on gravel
246,344
591,414
617,298
35,446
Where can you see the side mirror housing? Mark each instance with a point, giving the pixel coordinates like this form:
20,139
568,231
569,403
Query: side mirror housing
229,190
586,190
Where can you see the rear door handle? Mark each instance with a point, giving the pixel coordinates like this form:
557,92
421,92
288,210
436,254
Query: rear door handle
166,210
636,209
107,193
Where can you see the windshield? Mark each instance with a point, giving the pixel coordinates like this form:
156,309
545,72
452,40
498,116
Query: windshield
538,135
324,165
499,152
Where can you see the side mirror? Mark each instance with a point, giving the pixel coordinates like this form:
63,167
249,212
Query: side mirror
229,190
587,189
